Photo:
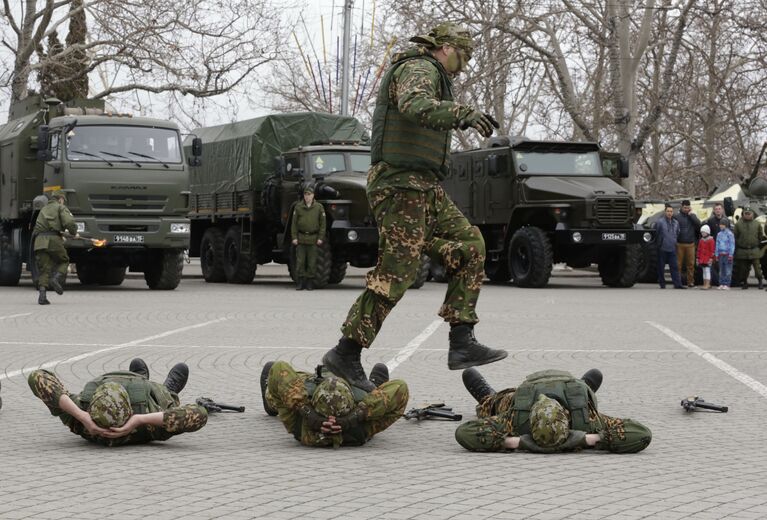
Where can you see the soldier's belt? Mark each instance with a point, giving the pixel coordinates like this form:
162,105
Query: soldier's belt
309,232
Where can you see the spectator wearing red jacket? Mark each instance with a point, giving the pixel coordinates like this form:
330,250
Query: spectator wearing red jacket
705,256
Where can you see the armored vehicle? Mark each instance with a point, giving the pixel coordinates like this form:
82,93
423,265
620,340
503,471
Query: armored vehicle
243,196
125,179
540,202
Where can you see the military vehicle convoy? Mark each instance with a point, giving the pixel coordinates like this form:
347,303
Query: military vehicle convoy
125,179
540,202
242,198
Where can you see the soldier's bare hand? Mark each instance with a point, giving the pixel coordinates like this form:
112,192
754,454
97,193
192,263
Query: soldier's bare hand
132,423
330,426
93,428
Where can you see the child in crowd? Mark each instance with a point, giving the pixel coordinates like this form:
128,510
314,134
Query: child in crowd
725,248
705,256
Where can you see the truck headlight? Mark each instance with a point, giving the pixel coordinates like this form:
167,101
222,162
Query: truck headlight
179,228
647,236
577,237
80,227
352,235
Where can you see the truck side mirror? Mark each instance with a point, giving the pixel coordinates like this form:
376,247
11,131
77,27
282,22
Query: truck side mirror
197,147
729,207
43,143
623,168
491,165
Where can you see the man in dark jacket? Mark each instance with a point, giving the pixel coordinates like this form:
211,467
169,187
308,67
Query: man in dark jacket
716,217
667,229
689,224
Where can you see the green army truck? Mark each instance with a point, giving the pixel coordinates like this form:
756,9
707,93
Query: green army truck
542,202
243,196
126,183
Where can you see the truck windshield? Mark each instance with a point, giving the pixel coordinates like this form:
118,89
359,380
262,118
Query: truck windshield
325,163
124,144
558,163
360,162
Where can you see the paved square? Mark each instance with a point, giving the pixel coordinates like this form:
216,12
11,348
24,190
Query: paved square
655,347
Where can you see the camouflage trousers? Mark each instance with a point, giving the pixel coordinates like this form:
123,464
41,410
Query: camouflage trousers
50,260
411,223
495,422
286,391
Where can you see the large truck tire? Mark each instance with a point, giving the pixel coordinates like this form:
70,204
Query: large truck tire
531,257
88,274
239,266
647,271
112,276
337,272
324,265
164,272
10,266
618,266
423,272
212,255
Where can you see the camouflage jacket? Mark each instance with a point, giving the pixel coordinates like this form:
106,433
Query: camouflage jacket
53,220
748,239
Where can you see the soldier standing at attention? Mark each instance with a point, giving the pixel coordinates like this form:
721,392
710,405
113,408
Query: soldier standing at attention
122,407
307,230
748,248
410,149
50,253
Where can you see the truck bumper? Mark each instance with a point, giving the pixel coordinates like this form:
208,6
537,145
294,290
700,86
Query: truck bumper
134,233
343,232
604,237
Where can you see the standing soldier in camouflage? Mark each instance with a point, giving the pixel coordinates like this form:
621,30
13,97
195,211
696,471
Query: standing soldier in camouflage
749,237
550,412
50,253
410,149
307,230
121,408
325,410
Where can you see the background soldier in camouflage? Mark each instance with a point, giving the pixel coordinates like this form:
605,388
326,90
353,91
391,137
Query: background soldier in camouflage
410,148
307,230
551,411
749,238
50,253
326,410
122,407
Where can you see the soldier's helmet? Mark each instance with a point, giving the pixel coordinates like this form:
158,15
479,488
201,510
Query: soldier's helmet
59,193
110,405
333,396
447,33
549,422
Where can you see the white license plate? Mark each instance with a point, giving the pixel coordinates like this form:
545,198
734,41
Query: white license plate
129,239
614,237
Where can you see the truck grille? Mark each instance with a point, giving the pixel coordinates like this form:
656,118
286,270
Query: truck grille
128,202
613,211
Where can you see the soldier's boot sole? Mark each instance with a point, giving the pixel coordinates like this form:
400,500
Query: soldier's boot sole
138,366
476,384
263,382
348,367
379,374
177,378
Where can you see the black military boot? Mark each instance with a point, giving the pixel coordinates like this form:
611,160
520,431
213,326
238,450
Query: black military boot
309,285
177,377
761,284
593,378
466,352
264,380
42,299
477,385
57,282
344,361
137,366
745,285
299,284
379,374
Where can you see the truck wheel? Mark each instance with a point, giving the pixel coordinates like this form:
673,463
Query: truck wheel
88,274
337,272
112,276
647,271
239,266
423,272
10,266
324,265
618,266
164,273
530,257
212,255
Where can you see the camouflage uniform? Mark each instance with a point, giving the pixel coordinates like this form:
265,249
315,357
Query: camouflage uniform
288,390
50,253
308,226
496,421
413,213
749,236
177,419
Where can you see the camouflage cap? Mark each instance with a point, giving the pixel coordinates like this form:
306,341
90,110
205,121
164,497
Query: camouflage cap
447,33
308,188
549,422
748,209
333,397
110,405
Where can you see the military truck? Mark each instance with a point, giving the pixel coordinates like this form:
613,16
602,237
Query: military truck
243,196
125,179
542,202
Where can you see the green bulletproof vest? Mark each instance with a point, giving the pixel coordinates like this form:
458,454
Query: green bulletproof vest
145,396
400,141
561,386
354,437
